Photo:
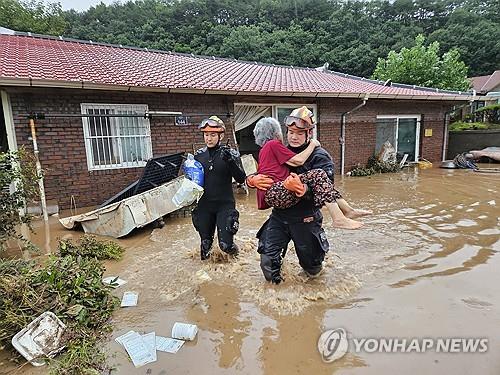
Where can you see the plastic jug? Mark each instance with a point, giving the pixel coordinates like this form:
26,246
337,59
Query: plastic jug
194,170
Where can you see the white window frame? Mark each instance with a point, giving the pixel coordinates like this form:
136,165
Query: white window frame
117,138
417,130
275,106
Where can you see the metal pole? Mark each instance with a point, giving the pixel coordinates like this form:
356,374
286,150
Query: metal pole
150,114
39,171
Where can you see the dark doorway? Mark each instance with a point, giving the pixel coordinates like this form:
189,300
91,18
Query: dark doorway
4,144
246,141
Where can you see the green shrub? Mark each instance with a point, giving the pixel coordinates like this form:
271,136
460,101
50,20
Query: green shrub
72,288
90,246
461,126
17,169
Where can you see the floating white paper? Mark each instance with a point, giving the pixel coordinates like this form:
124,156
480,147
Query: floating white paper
124,337
184,331
150,340
167,344
129,299
111,279
138,350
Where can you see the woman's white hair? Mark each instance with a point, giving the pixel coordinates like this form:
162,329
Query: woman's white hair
266,129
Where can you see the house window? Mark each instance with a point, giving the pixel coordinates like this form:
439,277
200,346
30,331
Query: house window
116,142
402,132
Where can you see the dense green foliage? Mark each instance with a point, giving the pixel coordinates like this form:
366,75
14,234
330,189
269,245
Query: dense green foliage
490,113
71,287
33,15
487,117
91,247
421,65
461,126
349,35
17,169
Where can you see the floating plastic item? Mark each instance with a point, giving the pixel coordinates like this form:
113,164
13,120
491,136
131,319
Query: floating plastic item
188,192
184,331
40,339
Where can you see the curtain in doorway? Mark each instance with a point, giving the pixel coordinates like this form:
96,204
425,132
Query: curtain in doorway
246,115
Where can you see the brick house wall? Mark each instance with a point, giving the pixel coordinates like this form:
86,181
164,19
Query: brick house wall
62,147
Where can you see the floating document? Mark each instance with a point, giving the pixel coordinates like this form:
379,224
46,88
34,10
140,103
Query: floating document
150,340
124,337
167,344
129,299
138,350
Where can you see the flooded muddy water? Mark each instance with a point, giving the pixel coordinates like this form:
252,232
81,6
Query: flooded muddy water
424,266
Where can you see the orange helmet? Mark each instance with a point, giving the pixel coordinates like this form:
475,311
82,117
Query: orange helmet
212,124
302,118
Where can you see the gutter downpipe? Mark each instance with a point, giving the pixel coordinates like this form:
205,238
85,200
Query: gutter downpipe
342,132
446,124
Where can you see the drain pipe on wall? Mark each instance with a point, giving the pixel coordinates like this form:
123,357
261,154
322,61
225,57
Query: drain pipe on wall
342,132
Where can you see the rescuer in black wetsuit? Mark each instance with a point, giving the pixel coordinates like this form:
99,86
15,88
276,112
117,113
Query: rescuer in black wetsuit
216,208
301,223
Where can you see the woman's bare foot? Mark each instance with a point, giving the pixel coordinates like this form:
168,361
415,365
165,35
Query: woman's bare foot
347,223
355,213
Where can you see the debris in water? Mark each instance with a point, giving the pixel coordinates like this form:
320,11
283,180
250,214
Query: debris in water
129,299
137,349
203,275
114,281
167,344
184,331
40,339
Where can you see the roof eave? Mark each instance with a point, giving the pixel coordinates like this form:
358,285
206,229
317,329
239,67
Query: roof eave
28,82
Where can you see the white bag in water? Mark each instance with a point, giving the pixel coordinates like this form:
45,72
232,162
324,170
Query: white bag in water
184,331
187,193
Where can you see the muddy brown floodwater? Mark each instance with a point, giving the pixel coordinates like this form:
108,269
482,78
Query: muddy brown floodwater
424,266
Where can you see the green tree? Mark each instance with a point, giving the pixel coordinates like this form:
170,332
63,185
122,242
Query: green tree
33,15
421,65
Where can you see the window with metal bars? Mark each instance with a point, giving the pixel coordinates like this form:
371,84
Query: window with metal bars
116,142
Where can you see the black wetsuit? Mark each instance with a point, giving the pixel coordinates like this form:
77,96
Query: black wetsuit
216,208
300,223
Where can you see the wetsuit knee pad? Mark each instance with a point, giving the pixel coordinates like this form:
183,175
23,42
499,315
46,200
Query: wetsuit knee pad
233,221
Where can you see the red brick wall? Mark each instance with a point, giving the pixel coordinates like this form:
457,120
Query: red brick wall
61,140
62,148
360,134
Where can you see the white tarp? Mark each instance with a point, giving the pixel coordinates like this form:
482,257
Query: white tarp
120,218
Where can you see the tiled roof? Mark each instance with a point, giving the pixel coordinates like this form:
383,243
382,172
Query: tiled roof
485,84
58,62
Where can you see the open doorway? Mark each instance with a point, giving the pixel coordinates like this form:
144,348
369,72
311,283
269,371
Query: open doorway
4,143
